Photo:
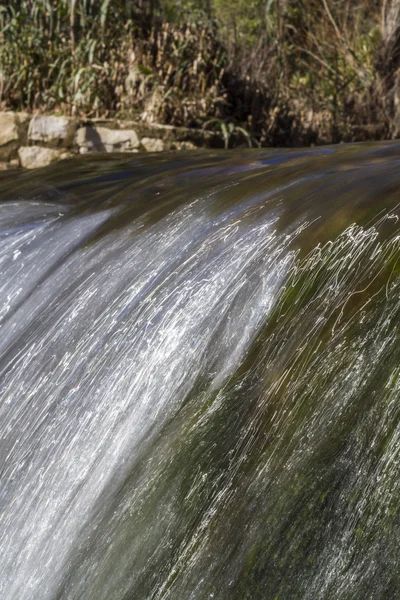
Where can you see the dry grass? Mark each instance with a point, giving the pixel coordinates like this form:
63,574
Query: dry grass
281,72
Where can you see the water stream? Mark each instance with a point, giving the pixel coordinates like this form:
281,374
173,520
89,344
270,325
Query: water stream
200,377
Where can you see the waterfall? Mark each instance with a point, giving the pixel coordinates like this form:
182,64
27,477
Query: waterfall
199,377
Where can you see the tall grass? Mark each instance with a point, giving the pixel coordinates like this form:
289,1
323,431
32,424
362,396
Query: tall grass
287,72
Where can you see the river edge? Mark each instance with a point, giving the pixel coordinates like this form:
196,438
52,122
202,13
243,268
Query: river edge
34,141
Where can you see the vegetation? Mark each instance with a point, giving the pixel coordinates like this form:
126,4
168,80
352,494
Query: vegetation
288,72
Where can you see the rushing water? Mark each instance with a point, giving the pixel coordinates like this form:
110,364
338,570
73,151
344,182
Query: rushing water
200,377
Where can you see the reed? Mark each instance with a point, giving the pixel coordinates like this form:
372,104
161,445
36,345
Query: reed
284,72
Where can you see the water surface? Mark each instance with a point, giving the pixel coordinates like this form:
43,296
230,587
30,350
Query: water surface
199,377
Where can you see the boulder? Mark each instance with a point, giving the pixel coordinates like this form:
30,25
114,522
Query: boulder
33,157
152,144
13,128
103,139
48,129
8,127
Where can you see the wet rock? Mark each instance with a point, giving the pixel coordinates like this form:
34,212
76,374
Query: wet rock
102,139
34,157
47,129
152,144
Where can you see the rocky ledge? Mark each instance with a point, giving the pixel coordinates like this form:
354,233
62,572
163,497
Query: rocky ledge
37,141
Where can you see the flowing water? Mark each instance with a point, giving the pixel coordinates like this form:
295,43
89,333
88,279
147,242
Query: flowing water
200,377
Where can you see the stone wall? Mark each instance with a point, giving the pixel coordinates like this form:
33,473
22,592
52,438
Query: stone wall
36,141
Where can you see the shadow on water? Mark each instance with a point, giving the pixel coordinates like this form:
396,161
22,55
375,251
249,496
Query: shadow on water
200,373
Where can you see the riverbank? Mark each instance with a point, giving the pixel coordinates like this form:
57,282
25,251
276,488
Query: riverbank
37,141
265,74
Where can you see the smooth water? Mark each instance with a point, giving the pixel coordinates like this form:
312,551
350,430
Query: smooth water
200,377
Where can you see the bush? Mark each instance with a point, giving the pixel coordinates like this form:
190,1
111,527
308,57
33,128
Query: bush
286,72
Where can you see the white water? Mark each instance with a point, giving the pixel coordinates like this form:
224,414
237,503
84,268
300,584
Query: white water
100,345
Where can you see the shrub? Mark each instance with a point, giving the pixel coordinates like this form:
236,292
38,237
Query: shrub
286,72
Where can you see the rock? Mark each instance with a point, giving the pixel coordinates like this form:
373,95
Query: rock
184,146
8,127
102,139
33,157
47,129
23,117
12,164
152,144
13,129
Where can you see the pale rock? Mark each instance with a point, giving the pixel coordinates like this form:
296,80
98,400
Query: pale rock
152,144
12,164
47,129
184,146
23,117
103,139
81,136
33,157
8,127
